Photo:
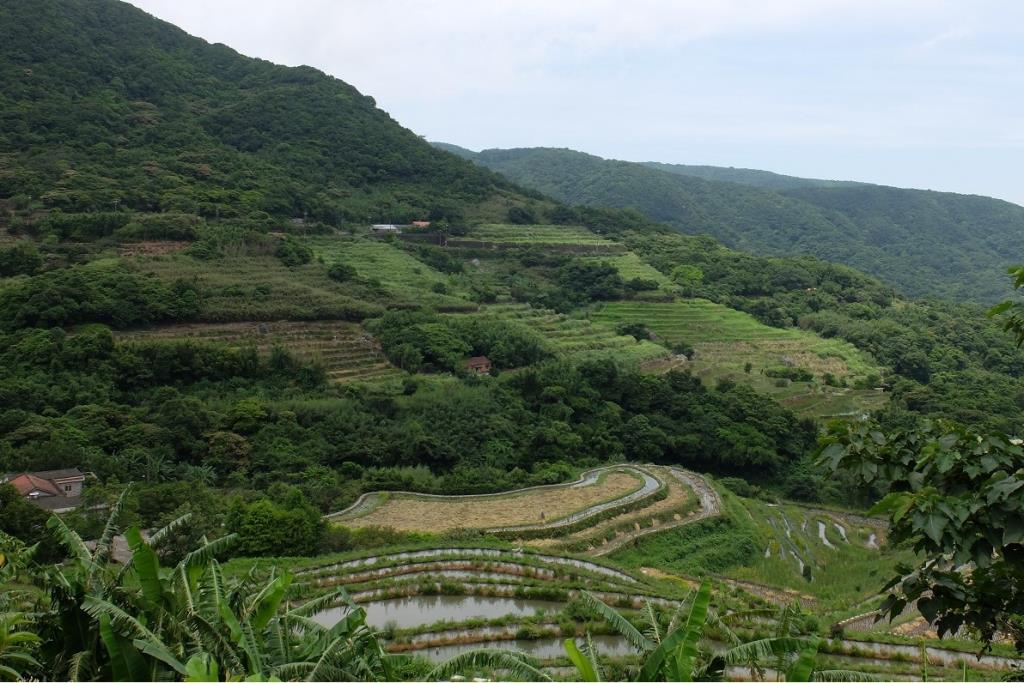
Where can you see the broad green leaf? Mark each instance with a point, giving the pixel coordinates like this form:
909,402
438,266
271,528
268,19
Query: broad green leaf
802,668
147,567
201,668
685,638
934,525
583,666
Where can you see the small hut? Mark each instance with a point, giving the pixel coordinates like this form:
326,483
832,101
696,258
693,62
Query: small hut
479,364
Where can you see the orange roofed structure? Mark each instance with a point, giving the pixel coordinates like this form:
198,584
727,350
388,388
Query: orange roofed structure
479,364
54,490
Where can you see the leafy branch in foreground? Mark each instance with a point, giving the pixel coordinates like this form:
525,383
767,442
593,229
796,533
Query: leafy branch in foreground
956,496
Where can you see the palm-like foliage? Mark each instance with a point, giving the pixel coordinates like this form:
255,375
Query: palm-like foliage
144,621
16,647
681,652
17,644
513,666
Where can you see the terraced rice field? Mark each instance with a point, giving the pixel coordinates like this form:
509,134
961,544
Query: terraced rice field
346,351
539,506
845,554
399,273
693,321
537,234
440,601
677,507
631,266
726,340
241,288
579,338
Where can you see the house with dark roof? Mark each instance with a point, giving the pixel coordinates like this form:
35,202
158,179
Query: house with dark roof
54,490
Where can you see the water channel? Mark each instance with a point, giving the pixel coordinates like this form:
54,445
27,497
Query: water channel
418,610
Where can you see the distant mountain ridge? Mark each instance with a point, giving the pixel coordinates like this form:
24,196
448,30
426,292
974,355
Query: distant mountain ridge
925,243
747,176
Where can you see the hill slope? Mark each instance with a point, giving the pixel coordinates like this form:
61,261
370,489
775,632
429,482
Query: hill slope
746,176
103,107
924,243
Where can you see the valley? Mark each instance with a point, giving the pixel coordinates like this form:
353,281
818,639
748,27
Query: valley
289,393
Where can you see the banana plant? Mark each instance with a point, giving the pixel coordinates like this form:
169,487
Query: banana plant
680,653
16,647
143,621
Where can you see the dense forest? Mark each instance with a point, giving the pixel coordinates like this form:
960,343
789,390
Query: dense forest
926,244
104,108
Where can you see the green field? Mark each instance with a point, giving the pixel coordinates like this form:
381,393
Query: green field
725,341
843,571
345,350
631,266
537,234
262,288
578,338
693,321
399,273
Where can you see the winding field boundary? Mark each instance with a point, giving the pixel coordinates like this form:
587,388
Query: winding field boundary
710,506
370,499
710,503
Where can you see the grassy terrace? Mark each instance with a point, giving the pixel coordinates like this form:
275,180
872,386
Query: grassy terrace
434,514
847,558
537,234
262,288
345,350
399,273
577,337
693,321
726,340
678,502
631,266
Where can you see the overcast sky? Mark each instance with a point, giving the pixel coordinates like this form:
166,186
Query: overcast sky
915,93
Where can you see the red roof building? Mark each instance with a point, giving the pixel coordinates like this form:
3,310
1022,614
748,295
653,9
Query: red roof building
479,364
55,490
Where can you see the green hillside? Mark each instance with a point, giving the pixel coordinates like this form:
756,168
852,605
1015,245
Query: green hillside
746,176
103,108
926,244
467,424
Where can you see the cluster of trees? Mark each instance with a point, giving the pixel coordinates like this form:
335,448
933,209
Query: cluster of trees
179,412
104,293
20,259
423,341
119,225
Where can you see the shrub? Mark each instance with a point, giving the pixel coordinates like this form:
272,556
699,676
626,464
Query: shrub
21,259
633,329
293,253
341,272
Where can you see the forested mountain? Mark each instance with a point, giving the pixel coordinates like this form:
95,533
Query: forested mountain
927,244
104,107
746,176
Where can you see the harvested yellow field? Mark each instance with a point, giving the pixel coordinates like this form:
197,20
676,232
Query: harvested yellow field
679,496
410,512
